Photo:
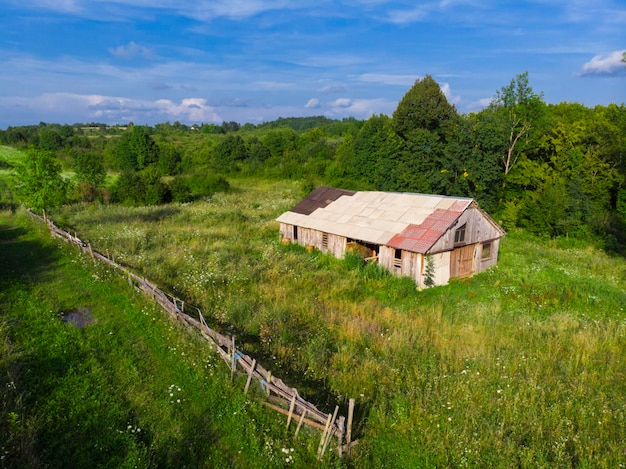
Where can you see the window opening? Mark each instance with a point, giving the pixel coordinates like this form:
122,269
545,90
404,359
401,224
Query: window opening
486,254
397,259
459,234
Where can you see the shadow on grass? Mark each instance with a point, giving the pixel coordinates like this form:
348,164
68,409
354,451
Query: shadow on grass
22,259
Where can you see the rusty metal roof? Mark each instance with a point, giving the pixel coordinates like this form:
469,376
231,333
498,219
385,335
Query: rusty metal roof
413,222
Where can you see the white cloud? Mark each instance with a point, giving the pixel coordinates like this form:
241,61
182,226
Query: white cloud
70,108
609,65
313,103
360,108
131,50
342,102
389,79
447,92
475,106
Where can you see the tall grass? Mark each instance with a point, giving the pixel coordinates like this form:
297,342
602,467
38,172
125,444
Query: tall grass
131,389
521,365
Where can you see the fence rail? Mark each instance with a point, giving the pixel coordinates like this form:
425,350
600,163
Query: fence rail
278,396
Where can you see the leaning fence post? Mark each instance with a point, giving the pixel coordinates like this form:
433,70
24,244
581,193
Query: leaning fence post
300,423
233,362
326,427
245,389
330,432
269,381
291,406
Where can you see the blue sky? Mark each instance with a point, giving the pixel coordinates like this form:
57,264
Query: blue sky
194,61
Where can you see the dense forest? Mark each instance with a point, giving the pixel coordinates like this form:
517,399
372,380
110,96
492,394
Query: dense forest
552,169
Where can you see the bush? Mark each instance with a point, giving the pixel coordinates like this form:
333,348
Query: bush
207,184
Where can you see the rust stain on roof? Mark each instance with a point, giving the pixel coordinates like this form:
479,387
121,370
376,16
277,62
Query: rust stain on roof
420,238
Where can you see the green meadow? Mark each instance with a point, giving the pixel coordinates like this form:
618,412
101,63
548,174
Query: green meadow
523,365
126,387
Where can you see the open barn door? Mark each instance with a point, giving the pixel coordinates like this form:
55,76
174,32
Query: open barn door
462,261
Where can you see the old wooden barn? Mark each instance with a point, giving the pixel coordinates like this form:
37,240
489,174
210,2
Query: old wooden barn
403,232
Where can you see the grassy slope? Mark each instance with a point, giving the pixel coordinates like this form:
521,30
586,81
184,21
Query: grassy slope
523,363
132,389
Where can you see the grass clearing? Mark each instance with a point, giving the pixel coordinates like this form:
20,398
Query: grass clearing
523,364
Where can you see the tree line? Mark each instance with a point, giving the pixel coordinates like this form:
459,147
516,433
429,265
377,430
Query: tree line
552,169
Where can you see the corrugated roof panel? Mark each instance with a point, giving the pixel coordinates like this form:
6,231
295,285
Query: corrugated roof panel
320,197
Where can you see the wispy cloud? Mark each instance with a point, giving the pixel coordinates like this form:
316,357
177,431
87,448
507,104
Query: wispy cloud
200,10
273,85
611,64
330,89
389,79
360,108
130,51
313,103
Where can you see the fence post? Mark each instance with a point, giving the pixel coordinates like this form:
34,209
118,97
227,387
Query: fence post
245,389
300,423
329,434
291,406
269,381
233,363
326,427
349,429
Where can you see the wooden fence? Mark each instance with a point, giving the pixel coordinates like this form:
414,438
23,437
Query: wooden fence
278,396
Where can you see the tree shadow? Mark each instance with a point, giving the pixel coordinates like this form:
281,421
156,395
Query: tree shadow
22,259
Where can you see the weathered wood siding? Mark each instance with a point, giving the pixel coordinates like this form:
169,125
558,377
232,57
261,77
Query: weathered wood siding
325,242
286,231
482,264
336,246
412,264
309,237
386,257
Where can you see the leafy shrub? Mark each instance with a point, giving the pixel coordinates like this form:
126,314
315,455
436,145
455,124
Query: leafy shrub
204,184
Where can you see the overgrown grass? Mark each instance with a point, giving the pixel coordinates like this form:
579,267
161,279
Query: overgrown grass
131,389
10,157
521,365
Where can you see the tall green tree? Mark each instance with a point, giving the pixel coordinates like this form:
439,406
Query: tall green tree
39,182
90,173
518,108
424,106
376,153
136,149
